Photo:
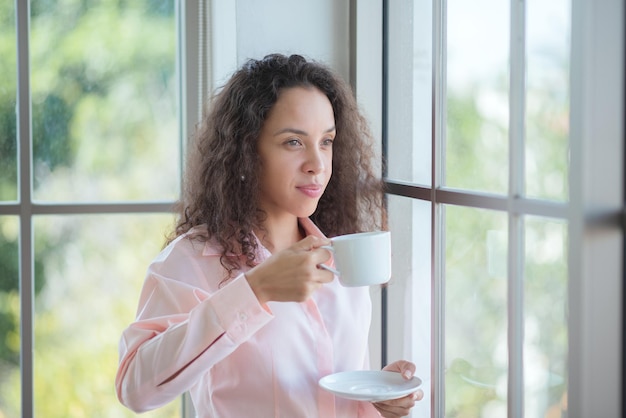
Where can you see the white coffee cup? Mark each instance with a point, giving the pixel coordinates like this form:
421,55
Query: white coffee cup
361,259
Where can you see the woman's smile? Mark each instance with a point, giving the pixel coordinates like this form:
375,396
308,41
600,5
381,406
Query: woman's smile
311,190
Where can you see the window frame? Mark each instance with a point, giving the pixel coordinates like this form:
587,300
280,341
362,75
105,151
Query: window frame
594,217
597,226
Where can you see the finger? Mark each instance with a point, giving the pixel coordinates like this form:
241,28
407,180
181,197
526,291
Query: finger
397,407
311,261
406,368
328,268
310,242
324,273
321,255
320,258
419,395
391,411
407,401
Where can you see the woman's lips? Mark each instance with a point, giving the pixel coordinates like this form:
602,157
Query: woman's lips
311,190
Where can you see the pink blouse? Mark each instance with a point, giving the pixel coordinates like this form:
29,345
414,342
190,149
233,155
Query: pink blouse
236,357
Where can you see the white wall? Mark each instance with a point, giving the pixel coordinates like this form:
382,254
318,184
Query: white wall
243,29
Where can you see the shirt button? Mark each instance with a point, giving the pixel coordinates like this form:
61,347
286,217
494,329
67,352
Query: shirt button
243,317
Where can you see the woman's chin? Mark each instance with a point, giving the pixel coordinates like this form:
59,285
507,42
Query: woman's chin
306,212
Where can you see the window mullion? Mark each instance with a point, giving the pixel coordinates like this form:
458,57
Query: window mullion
515,296
437,212
515,255
26,276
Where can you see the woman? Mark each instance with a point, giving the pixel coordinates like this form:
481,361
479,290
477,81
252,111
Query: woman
235,309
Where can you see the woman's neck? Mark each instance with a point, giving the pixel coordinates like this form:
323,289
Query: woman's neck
278,234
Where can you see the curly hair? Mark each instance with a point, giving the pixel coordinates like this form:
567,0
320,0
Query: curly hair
221,189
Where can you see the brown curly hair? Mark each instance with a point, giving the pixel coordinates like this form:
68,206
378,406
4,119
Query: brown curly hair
221,190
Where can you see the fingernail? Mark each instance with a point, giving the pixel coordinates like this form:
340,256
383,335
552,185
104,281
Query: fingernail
407,374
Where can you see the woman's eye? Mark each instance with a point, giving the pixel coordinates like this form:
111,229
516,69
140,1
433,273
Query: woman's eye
328,142
292,142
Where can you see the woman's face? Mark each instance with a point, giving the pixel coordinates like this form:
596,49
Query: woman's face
296,152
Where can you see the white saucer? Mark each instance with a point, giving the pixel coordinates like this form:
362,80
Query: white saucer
369,385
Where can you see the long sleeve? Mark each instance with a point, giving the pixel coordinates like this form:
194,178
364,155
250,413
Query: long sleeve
235,356
182,329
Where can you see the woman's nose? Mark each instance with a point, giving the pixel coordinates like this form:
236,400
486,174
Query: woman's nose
314,163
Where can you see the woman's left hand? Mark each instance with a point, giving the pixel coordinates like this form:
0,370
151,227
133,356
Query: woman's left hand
399,407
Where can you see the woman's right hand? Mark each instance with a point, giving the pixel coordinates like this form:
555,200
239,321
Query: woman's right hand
292,275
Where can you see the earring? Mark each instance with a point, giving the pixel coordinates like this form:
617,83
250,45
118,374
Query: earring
242,178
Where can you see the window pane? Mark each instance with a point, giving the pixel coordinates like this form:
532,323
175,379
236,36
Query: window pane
8,83
104,105
476,356
410,91
547,101
477,95
545,324
90,270
409,290
10,393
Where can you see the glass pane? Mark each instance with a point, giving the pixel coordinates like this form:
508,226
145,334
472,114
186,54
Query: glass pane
545,322
476,357
8,84
10,392
90,270
477,97
409,290
410,92
547,101
104,104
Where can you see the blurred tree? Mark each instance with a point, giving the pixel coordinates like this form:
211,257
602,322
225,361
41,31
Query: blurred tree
8,144
95,64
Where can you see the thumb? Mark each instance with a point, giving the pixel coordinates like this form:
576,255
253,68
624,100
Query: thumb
405,368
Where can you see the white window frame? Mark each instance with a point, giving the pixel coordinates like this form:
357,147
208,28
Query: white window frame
596,293
593,213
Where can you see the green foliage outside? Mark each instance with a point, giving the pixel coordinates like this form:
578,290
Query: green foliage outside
476,312
476,261
476,241
477,142
477,308
104,128
8,145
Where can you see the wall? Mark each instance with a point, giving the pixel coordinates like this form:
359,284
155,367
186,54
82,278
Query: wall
243,29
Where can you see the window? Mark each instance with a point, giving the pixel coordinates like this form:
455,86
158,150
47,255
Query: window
503,131
89,168
487,131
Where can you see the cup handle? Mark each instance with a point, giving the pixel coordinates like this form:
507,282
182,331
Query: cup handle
332,270
324,266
